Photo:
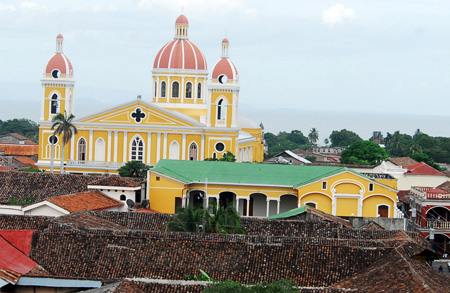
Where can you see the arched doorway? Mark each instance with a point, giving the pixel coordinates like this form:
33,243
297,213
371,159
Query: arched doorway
383,211
196,198
258,205
193,156
441,243
227,198
288,202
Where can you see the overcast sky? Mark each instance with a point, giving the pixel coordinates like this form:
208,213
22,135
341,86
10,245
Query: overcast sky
360,65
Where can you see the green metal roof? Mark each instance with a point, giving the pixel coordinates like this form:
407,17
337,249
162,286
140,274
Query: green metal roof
290,213
245,173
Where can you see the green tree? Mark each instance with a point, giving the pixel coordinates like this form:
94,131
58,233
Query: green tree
326,141
224,220
64,126
343,138
25,127
363,152
313,135
420,157
134,169
228,157
297,137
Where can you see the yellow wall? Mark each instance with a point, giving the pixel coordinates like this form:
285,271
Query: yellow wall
163,193
322,201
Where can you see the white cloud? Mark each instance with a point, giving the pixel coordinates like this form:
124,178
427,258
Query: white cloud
7,8
95,8
33,6
336,14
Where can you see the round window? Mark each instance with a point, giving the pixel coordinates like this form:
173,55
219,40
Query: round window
53,139
220,147
222,78
56,73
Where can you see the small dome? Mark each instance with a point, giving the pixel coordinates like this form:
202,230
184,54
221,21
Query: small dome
225,67
225,41
181,20
180,54
59,36
59,62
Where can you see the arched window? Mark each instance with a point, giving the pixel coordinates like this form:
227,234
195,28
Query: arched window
123,197
137,149
163,89
54,104
175,89
189,90
174,151
221,110
199,90
82,150
156,88
193,152
100,150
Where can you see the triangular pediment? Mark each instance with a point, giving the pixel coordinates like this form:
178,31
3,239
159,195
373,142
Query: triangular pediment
138,112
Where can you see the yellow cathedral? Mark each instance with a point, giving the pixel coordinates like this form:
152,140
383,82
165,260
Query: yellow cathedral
193,115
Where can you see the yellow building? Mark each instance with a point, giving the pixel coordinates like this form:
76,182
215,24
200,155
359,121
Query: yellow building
192,116
267,189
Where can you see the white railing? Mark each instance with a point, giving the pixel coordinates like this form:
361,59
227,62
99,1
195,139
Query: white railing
95,163
438,224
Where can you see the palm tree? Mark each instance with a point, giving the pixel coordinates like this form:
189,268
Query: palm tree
64,126
313,135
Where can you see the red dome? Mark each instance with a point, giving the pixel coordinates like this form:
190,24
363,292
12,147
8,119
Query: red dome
59,36
180,54
225,66
61,62
225,41
181,20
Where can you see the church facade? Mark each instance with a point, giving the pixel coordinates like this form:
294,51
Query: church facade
193,115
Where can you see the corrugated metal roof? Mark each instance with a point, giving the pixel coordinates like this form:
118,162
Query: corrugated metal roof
244,173
290,213
8,277
12,259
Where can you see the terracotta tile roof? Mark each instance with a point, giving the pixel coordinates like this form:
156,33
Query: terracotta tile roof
146,211
40,186
19,137
423,169
402,195
445,186
402,161
372,226
16,222
19,149
85,201
27,161
116,181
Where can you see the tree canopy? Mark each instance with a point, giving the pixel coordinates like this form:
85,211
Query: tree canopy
134,169
25,127
343,138
363,152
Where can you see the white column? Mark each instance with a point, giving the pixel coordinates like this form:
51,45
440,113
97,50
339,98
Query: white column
360,206
209,116
267,207
182,93
158,147
157,88
234,108
108,158
194,90
91,143
248,206
116,140
183,147
149,147
165,146
168,89
278,206
333,205
125,149
202,148
237,204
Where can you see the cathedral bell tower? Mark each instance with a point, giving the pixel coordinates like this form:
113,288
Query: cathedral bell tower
223,92
57,84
